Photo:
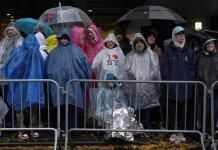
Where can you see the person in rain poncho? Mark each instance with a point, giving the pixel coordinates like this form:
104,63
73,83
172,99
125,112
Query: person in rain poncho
110,59
64,63
143,64
207,72
77,34
89,39
26,62
93,42
178,64
112,110
12,40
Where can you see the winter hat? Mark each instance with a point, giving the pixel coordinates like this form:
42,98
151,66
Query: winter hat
205,44
110,76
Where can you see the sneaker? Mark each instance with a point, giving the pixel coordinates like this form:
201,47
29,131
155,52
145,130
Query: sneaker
173,138
23,136
35,134
181,137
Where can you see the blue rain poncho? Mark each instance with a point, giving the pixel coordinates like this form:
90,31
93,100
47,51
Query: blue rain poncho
64,63
25,62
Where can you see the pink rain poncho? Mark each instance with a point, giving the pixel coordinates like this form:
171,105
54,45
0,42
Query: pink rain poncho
81,39
77,36
92,47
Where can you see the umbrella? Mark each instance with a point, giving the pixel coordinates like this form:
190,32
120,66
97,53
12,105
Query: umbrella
152,12
65,14
28,25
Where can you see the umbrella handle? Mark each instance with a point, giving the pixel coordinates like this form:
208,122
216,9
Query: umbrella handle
60,9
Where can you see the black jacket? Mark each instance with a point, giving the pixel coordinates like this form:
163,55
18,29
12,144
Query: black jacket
207,69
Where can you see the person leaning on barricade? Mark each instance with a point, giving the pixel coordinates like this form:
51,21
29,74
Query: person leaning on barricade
178,64
142,64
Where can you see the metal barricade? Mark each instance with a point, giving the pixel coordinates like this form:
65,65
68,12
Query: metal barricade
213,119
184,102
30,108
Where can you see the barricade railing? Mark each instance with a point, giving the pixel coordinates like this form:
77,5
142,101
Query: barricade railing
30,107
182,103
213,96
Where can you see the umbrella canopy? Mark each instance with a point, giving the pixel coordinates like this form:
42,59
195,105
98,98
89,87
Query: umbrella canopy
28,25
152,13
65,14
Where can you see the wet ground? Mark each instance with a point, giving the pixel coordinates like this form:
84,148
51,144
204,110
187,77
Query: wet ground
96,141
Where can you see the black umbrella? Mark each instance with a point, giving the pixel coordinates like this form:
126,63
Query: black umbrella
152,12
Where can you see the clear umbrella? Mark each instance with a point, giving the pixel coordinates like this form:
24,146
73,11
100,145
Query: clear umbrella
65,15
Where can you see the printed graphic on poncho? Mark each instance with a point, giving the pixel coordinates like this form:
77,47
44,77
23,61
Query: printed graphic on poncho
112,59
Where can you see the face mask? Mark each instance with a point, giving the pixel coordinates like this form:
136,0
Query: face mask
140,47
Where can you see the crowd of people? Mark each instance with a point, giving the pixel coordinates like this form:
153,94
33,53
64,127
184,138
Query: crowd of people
70,55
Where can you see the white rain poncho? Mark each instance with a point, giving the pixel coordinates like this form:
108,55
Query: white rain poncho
143,66
110,60
112,110
8,44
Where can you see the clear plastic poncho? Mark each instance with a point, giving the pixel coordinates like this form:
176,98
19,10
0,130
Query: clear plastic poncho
143,66
8,44
110,60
